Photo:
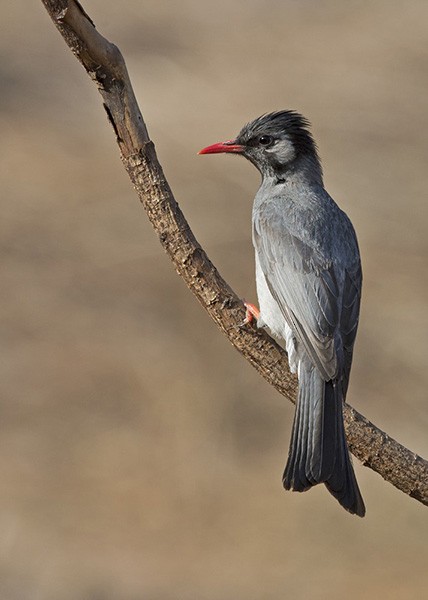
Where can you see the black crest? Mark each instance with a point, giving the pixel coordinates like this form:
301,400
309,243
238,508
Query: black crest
276,124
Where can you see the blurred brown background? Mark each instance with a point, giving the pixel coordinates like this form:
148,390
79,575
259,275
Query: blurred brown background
141,456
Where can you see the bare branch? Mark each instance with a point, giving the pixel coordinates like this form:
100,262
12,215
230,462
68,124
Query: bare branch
105,65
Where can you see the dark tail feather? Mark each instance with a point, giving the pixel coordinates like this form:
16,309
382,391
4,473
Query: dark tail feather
318,449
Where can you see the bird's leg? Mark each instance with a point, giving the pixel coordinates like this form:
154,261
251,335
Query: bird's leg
251,312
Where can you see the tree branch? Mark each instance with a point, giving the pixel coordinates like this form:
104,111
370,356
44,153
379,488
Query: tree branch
104,63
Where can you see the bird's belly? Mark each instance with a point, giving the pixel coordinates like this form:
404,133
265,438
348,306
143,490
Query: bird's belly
272,318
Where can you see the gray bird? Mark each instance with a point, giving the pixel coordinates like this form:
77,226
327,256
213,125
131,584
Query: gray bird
308,274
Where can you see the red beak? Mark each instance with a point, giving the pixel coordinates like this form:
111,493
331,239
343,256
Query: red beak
228,146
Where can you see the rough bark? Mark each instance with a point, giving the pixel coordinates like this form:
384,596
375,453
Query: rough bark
104,63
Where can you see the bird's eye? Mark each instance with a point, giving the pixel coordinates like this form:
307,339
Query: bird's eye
265,140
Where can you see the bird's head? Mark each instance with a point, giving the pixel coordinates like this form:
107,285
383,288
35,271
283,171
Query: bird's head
275,143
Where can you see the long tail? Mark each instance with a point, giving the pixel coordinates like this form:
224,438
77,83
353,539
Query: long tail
318,449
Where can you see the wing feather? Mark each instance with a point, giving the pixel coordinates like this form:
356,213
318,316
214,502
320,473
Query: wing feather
319,297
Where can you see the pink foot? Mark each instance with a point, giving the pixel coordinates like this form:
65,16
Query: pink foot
251,312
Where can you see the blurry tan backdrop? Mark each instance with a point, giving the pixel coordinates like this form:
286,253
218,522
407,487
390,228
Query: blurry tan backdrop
141,456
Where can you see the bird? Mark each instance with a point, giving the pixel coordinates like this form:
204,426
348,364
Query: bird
308,280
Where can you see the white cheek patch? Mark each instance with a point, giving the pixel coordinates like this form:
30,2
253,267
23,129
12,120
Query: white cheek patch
283,151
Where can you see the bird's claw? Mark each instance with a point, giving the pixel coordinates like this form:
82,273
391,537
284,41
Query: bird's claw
251,313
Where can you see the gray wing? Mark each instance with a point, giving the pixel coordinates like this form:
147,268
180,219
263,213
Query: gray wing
318,295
